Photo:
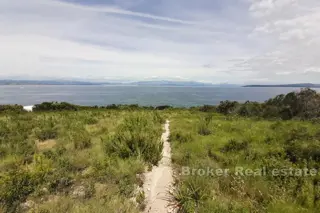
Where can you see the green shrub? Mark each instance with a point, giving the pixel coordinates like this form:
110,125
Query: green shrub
190,194
181,137
306,150
286,113
55,106
299,133
47,133
250,109
203,129
270,112
47,129
59,182
214,155
208,108
304,104
11,108
163,107
137,136
3,152
112,106
15,187
81,140
227,107
157,118
234,146
91,121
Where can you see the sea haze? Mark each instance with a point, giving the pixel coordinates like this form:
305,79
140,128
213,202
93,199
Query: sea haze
142,95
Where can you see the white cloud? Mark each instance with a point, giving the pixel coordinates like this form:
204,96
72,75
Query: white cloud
220,41
291,29
283,73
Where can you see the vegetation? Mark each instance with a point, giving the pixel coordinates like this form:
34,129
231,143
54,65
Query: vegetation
249,143
63,106
11,108
54,106
137,137
76,161
304,105
68,158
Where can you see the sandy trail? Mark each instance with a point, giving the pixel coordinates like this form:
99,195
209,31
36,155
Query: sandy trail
159,181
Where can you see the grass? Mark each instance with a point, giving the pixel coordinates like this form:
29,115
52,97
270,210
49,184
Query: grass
90,160
138,137
250,143
45,157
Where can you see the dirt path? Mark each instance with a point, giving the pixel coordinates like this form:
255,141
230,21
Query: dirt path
159,181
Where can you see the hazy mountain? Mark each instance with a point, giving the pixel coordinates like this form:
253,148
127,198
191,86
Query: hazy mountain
137,83
170,83
44,82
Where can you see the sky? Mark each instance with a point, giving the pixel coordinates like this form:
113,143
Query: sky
218,41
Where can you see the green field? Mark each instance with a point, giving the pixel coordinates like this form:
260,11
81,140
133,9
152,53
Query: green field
66,158
84,161
204,140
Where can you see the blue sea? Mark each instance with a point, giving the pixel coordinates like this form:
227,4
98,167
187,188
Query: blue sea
143,95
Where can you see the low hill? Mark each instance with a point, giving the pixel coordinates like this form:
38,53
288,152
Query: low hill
301,85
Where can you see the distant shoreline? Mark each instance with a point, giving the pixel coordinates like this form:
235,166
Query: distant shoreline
307,85
171,85
123,85
155,85
163,83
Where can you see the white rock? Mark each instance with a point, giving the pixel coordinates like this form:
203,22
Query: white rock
28,108
79,192
27,205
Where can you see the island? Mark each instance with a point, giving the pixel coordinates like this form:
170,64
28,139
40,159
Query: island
301,85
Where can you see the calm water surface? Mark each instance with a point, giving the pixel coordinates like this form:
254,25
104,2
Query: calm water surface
142,95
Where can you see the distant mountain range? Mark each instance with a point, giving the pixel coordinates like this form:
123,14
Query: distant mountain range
301,85
44,82
146,83
171,83
136,83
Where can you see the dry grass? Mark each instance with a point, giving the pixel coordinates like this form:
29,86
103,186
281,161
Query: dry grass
46,145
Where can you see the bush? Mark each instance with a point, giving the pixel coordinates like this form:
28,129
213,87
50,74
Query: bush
234,146
163,107
270,112
15,187
203,129
286,113
227,107
91,121
82,140
3,152
11,108
304,104
138,136
180,137
307,150
47,133
112,106
190,194
250,109
157,118
299,133
55,106
208,108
